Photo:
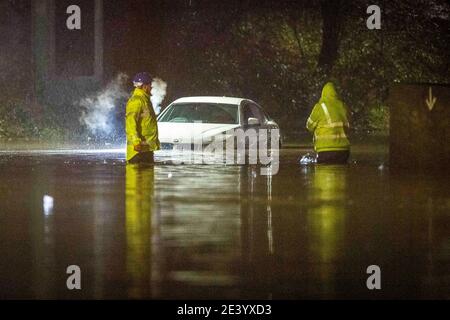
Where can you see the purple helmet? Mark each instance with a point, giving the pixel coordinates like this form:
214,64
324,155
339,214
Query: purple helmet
142,78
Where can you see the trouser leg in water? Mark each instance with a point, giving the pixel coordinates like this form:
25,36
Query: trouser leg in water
333,157
143,157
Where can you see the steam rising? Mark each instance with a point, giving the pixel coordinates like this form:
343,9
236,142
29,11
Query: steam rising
158,93
98,111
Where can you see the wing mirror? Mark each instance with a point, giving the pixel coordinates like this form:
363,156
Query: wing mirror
253,122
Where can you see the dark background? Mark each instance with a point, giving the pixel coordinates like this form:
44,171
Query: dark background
278,53
74,51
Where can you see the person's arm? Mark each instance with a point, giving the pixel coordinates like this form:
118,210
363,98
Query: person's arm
133,111
313,119
151,136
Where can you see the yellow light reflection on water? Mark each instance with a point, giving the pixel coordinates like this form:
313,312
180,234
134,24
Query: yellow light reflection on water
139,206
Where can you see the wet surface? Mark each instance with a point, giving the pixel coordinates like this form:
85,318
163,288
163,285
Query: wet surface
216,231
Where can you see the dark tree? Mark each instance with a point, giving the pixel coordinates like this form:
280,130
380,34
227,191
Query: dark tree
331,25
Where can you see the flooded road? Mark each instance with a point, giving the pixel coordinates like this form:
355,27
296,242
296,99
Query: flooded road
216,231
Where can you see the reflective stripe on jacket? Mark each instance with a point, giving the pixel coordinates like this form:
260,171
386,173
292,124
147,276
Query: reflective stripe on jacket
328,122
141,126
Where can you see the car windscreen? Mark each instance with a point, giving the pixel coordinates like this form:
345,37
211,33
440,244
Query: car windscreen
201,112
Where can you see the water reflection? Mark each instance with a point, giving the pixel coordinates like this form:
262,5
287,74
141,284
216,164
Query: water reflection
292,232
326,221
42,229
257,233
139,192
199,236
219,231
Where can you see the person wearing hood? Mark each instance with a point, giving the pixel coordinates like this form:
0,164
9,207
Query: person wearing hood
140,122
329,125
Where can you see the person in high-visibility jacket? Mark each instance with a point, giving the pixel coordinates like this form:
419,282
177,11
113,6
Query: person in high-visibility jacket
329,124
140,122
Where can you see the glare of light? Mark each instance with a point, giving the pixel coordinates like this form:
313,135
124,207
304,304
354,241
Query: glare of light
48,205
65,151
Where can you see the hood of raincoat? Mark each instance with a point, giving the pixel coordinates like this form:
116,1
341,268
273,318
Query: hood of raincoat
329,92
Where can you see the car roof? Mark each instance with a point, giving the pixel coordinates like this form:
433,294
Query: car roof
211,99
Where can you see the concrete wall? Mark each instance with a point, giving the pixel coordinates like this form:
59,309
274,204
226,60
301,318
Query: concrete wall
51,86
420,127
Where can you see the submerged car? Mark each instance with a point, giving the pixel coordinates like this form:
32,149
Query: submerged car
190,119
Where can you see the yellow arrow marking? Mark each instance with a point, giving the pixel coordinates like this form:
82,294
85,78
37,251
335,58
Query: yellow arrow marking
431,100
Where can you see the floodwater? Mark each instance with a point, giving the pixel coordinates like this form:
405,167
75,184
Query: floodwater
214,231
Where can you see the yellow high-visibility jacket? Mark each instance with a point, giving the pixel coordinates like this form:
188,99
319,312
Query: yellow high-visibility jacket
329,122
140,124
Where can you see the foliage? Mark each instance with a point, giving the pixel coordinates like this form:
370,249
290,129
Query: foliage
267,51
18,121
271,55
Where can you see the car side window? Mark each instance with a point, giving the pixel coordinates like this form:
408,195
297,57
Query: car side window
251,110
257,113
247,113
